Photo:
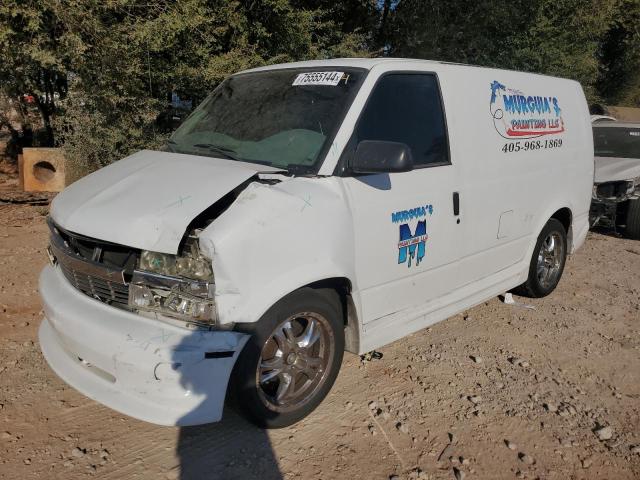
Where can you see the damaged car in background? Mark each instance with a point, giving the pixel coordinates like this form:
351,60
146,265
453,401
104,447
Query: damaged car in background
301,211
616,189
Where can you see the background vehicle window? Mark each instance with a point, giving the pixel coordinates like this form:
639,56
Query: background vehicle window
407,108
618,142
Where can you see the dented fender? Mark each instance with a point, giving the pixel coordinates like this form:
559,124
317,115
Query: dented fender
275,239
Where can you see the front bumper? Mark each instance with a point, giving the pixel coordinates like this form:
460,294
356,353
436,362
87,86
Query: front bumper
142,367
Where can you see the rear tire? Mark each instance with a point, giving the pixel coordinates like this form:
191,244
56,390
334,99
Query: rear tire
633,219
547,262
291,360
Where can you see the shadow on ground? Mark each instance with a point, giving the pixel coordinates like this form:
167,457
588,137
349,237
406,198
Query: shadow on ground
231,449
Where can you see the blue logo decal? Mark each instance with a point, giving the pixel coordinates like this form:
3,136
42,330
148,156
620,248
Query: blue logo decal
517,115
412,244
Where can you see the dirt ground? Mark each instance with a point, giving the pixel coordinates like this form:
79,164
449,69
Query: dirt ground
498,392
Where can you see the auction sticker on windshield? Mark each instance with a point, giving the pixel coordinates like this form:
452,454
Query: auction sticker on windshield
318,78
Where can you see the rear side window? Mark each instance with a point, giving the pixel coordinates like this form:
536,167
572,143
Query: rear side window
407,108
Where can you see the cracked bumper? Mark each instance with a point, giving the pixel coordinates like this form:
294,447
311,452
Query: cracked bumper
144,368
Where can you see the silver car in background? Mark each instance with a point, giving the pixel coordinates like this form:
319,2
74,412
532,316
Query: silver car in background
616,189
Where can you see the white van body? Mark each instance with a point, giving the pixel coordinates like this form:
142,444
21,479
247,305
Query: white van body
519,152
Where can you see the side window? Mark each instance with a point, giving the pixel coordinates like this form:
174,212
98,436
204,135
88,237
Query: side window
407,108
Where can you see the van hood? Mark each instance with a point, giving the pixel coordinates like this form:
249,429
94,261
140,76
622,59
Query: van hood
148,199
611,169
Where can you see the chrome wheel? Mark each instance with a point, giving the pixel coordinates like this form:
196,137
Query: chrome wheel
295,361
550,258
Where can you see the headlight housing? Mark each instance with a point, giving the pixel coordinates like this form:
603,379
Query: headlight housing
179,286
191,264
616,191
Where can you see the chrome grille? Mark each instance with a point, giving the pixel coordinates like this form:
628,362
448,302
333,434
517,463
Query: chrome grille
93,278
113,293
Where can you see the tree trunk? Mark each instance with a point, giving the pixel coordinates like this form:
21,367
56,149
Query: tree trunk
46,111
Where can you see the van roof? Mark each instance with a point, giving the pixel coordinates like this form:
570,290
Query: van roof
369,63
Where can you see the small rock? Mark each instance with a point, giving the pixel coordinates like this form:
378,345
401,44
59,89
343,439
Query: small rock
587,462
27,461
518,361
519,474
349,404
394,477
373,405
635,449
6,436
475,358
603,433
550,407
78,452
526,458
464,461
565,442
402,427
459,474
475,399
510,445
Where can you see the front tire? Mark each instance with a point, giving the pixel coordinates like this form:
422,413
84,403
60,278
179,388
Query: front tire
291,360
547,262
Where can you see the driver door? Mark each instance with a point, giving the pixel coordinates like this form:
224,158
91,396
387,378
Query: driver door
407,235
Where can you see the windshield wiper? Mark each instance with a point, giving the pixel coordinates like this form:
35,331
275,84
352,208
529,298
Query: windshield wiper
227,152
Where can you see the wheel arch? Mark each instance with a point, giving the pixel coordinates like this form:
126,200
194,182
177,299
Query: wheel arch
343,287
565,217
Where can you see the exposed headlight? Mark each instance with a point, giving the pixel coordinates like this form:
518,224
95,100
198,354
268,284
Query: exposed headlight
615,191
190,264
190,300
179,286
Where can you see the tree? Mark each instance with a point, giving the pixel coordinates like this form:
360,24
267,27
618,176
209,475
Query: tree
619,56
34,55
591,41
106,68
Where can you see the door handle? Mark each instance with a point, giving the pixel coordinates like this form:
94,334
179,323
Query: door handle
456,203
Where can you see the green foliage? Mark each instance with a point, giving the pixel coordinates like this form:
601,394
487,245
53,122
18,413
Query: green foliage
554,37
106,68
101,71
619,55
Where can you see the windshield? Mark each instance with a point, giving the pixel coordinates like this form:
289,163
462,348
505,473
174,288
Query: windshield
282,118
621,142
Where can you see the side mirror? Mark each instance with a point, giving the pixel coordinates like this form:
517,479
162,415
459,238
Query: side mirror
374,156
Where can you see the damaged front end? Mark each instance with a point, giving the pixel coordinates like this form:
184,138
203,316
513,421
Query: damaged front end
609,202
176,286
151,346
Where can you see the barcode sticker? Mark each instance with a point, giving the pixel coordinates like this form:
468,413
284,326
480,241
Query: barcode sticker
318,78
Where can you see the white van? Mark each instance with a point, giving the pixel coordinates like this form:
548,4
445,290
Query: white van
303,210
